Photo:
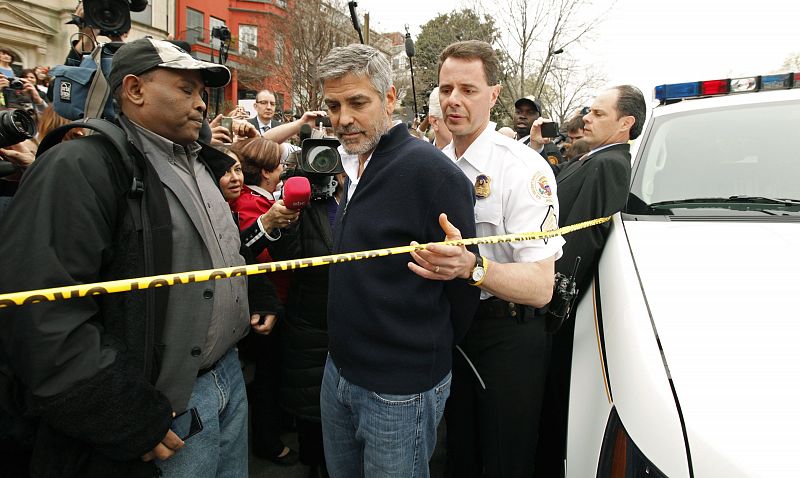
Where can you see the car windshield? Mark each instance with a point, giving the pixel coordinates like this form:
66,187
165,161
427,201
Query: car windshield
732,160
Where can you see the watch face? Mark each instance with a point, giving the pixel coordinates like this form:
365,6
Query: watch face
477,274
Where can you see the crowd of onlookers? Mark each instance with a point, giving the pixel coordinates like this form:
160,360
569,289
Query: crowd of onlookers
287,341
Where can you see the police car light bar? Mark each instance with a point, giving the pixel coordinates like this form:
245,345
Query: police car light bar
702,89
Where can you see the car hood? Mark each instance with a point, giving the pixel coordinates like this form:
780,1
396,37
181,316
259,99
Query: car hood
725,302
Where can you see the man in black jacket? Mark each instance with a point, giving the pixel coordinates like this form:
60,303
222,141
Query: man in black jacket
108,374
592,186
391,332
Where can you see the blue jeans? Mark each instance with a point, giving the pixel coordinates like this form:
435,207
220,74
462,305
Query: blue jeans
369,434
220,449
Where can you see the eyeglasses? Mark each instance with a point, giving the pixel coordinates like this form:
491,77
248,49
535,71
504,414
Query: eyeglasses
264,102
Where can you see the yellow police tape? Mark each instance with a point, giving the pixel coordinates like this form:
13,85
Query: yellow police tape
141,283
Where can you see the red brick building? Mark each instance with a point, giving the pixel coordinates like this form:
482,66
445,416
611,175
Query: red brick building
254,42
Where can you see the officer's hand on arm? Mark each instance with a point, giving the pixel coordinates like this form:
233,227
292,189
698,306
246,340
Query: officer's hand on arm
283,132
438,262
537,140
278,217
529,283
169,445
266,327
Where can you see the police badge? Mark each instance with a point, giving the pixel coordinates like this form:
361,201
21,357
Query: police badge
483,186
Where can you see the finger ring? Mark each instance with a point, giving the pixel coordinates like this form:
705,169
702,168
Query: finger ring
436,271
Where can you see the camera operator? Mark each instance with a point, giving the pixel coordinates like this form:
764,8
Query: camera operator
304,328
86,37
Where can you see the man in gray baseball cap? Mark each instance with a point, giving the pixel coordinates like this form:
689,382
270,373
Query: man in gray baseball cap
143,55
127,383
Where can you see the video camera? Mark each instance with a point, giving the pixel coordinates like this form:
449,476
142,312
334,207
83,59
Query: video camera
318,160
112,17
15,127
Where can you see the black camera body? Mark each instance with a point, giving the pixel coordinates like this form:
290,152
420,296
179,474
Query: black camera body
15,127
112,17
319,161
222,33
16,84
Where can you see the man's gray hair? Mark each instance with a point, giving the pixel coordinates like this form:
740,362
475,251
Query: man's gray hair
357,60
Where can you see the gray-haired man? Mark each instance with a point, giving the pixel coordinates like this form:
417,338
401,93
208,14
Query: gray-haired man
391,332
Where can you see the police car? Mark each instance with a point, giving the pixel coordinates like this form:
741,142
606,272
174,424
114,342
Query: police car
686,359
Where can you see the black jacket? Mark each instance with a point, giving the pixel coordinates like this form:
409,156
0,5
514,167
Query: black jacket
390,330
304,328
588,189
69,224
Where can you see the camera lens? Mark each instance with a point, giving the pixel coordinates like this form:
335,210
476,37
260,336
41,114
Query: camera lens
15,126
322,159
108,15
16,84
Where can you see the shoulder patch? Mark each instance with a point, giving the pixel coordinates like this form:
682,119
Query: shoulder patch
550,222
540,188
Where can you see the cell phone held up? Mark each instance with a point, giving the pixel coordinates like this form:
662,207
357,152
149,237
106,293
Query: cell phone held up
226,122
549,130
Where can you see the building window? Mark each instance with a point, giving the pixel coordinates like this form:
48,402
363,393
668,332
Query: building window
248,40
278,49
215,23
145,16
194,26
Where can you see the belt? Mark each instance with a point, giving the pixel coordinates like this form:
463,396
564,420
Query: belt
494,308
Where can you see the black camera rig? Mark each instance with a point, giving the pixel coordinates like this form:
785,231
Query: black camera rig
318,160
111,17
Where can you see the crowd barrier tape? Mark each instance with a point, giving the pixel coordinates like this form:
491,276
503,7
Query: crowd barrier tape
166,280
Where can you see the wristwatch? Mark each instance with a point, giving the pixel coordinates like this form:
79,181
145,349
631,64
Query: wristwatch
478,271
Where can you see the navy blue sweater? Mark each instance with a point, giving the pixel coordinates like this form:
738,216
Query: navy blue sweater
390,330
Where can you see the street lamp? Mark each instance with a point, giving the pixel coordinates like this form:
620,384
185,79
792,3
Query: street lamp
410,53
546,69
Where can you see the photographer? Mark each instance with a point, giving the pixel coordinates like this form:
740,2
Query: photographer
304,329
21,92
87,37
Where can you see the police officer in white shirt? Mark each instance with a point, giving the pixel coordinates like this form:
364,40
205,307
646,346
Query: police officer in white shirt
499,369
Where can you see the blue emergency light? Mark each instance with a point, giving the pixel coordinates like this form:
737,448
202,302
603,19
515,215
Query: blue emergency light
703,89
